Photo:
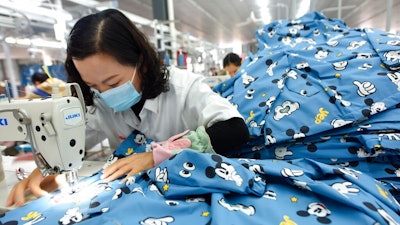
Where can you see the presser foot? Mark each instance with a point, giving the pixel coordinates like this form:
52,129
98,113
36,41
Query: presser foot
72,180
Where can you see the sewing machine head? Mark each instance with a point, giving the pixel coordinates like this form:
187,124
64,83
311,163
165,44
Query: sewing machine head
54,126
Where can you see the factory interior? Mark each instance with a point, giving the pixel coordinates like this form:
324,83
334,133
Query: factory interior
318,87
34,31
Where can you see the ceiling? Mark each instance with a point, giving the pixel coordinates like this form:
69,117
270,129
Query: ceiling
211,22
225,21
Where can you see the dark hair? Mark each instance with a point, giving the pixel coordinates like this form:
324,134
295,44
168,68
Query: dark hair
111,32
39,77
232,58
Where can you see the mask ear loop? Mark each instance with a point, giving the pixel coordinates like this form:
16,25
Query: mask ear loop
134,74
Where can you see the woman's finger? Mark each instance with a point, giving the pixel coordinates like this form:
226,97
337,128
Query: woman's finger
125,169
128,166
35,186
111,168
17,194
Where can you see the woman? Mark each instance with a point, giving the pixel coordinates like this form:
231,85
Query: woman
231,63
127,89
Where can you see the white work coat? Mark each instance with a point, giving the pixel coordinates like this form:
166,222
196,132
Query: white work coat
188,104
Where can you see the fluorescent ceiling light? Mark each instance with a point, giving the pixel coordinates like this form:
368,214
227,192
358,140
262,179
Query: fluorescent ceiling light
34,42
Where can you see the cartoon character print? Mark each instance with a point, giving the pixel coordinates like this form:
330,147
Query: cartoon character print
224,170
338,97
389,220
364,88
32,217
257,169
286,40
353,45
74,215
292,174
248,210
282,151
389,136
270,139
316,32
336,123
303,66
271,31
390,35
392,56
297,25
339,66
336,27
348,164
195,199
392,42
268,104
395,171
254,60
157,221
287,221
365,66
288,172
375,107
71,216
285,109
247,79
111,159
251,117
270,194
348,171
363,55
302,134
293,32
317,209
359,151
140,139
254,124
321,53
270,66
249,94
281,82
332,43
310,41
187,168
364,127
394,76
344,188
161,175
119,192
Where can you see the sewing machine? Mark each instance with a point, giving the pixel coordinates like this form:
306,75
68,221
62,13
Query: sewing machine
54,126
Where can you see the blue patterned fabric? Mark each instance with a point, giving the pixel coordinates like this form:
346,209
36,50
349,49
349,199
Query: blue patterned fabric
321,101
199,188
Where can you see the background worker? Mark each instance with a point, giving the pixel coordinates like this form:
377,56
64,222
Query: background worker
231,63
43,86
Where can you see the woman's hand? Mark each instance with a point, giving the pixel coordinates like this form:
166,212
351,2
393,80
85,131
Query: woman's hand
36,184
128,166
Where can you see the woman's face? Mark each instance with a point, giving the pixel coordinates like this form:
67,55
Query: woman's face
102,72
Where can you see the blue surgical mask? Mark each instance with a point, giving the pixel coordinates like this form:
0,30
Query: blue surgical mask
122,97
